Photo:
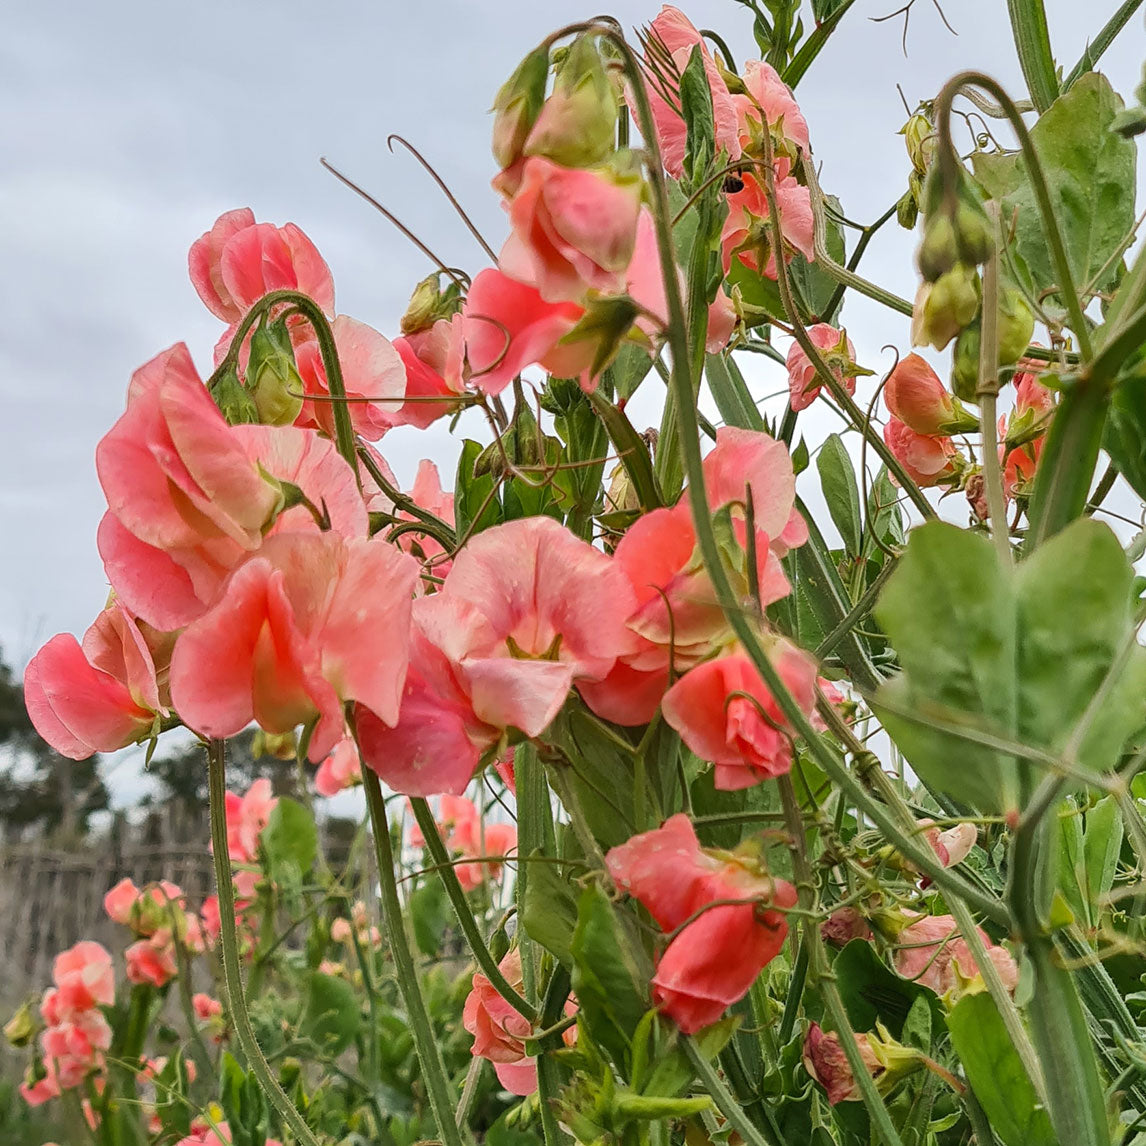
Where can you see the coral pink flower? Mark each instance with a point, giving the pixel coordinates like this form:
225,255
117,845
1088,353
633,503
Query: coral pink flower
433,359
84,979
715,959
103,694
238,261
747,235
574,230
286,643
825,1060
527,611
205,1007
1034,404
725,713
927,460
916,397
768,93
341,769
500,1032
152,960
427,492
802,385
932,951
509,326
247,815
120,901
673,29
79,1039
373,374
504,768
470,837
953,845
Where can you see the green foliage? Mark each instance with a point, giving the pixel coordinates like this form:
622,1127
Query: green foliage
1124,438
838,481
290,837
331,1015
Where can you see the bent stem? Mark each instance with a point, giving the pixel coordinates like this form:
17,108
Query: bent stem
232,972
425,1043
461,906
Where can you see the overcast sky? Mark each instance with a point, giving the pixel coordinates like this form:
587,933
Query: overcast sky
127,126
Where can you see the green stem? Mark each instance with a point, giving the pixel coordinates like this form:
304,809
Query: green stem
1097,47
813,45
725,1102
232,971
425,1042
1032,41
857,612
461,906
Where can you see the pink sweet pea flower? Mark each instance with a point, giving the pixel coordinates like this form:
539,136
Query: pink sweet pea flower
152,960
953,845
825,1060
509,326
1034,405
504,768
677,35
427,492
287,641
500,1032
205,1007
927,460
747,234
725,713
574,230
915,396
768,94
247,815
803,388
373,373
103,694
341,769
714,960
120,901
84,979
527,611
238,261
932,951
434,360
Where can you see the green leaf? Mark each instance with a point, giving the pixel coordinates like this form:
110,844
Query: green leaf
610,976
838,481
885,519
631,448
696,107
290,835
732,397
472,493
630,369
672,1071
550,913
996,1074
1124,437
873,993
244,1107
1090,172
1102,843
331,1015
814,286
1071,863
430,916
171,1103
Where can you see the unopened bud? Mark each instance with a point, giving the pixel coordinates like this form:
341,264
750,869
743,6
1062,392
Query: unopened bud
907,211
938,252
965,364
21,1027
517,106
280,745
1015,326
234,401
945,307
919,136
272,378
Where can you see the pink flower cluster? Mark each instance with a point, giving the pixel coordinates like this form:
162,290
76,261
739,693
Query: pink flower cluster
465,834
158,915
918,430
76,1032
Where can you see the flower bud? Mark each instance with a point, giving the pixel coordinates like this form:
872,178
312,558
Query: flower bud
938,252
279,745
21,1027
234,401
965,363
577,126
1015,326
429,303
517,106
272,378
956,229
944,307
907,211
919,136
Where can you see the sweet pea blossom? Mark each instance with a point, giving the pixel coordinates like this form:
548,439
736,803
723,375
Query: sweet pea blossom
927,460
825,1060
102,694
527,611
84,979
373,374
915,396
747,234
676,36
288,642
247,816
932,951
769,100
500,1032
838,353
341,769
725,713
714,959
205,1007
238,261
573,230
152,960
434,359
1026,428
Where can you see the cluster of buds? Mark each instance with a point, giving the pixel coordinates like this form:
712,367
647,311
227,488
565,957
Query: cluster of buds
919,137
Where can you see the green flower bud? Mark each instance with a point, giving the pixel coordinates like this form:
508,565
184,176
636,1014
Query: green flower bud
1016,324
938,252
974,234
945,307
907,211
234,401
272,379
21,1027
965,364
919,136
517,106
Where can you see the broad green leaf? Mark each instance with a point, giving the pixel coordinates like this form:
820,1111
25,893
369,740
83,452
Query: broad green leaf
430,916
1102,843
1090,172
872,992
996,1074
672,1071
814,286
244,1107
550,912
1125,434
629,369
290,835
331,1015
732,397
838,482
885,519
475,504
610,976
634,454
